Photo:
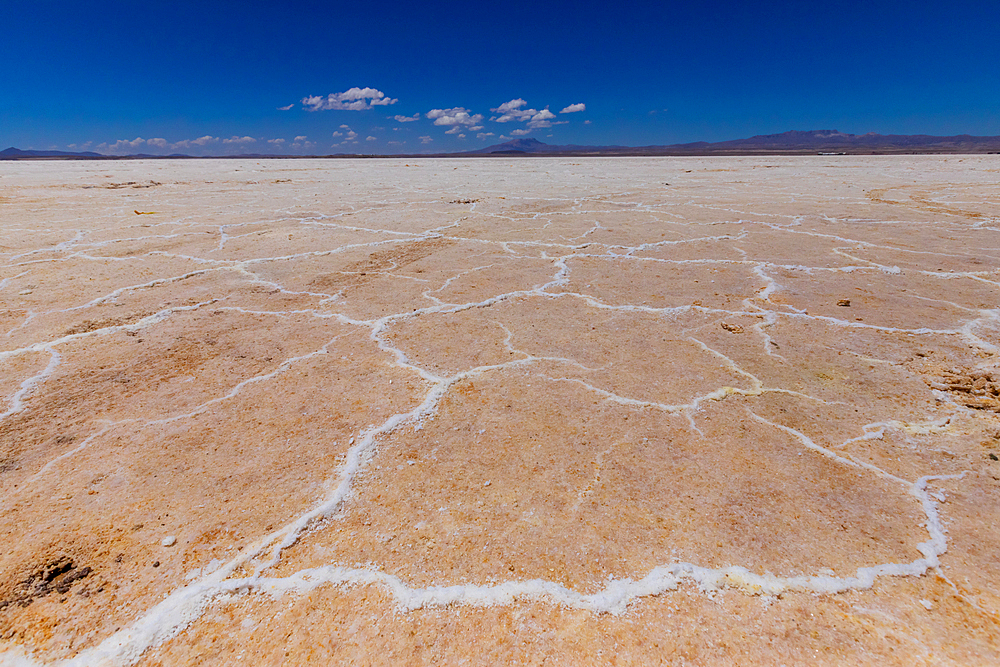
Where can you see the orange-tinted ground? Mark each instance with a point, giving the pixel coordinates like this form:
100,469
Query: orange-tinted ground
624,411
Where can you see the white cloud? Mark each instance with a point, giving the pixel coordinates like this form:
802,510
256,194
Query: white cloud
286,108
370,138
461,136
587,122
235,140
456,116
425,140
520,133
353,99
454,130
156,143
407,119
276,142
351,136
301,137
515,111
338,134
512,111
483,135
200,141
573,108
345,127
121,146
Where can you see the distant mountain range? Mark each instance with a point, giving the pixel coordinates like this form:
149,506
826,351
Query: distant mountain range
787,143
17,154
791,143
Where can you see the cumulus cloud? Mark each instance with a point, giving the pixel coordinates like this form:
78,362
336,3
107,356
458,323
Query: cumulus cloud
461,136
122,146
371,138
573,108
276,142
425,140
353,99
512,111
515,111
350,136
157,142
301,137
237,140
199,142
455,129
286,108
407,119
520,133
456,116
483,135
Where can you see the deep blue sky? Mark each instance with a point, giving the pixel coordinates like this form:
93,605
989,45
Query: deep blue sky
90,74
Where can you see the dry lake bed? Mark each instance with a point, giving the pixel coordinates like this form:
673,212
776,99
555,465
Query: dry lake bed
500,411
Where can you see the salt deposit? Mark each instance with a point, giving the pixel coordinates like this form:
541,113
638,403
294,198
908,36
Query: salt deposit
500,410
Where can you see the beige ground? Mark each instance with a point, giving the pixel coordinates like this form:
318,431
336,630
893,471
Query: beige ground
627,411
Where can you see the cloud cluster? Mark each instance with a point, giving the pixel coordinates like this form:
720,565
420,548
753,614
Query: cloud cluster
407,119
456,117
353,99
349,135
159,145
515,111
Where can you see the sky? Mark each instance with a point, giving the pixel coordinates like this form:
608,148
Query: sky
323,77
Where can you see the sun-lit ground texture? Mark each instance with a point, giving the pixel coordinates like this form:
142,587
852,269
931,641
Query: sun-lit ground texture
627,411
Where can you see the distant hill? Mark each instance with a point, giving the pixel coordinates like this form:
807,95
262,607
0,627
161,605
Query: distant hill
534,146
792,143
17,154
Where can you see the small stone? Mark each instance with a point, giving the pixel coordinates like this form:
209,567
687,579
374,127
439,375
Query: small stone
843,302
169,541
732,328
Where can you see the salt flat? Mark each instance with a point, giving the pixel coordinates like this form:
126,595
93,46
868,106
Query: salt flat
500,411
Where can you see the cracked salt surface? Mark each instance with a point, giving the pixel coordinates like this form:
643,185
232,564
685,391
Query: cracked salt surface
575,392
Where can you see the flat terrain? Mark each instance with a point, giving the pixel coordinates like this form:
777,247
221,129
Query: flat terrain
623,411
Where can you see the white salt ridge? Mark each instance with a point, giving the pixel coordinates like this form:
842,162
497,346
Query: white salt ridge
17,400
186,605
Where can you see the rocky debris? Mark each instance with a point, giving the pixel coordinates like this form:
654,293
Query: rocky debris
843,302
973,388
732,328
56,576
